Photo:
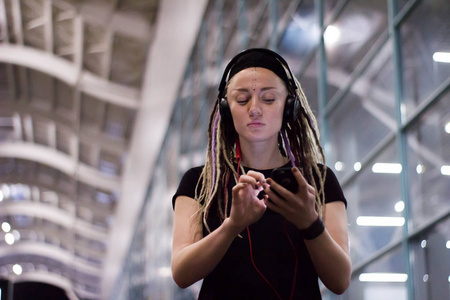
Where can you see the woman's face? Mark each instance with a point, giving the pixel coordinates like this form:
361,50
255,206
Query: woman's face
256,97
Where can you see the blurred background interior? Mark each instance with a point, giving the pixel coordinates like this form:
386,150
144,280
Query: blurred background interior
104,105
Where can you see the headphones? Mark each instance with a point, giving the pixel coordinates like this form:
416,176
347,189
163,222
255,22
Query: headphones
292,103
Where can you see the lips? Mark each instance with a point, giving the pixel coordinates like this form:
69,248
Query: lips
255,124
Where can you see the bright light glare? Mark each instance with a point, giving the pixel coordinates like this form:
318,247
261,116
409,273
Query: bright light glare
16,235
441,57
1,196
338,166
332,35
383,277
387,168
17,269
423,244
445,170
399,206
6,227
9,238
447,245
165,272
380,221
420,169
357,166
447,127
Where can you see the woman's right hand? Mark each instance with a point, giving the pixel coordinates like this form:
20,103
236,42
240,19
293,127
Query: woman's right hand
246,207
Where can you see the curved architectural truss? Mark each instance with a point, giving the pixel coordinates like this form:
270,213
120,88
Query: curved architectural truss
78,83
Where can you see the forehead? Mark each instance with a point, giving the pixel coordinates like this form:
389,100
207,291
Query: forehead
256,76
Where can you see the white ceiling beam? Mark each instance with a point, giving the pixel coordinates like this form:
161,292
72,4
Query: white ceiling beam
55,215
64,256
62,162
17,21
70,73
4,22
48,26
177,27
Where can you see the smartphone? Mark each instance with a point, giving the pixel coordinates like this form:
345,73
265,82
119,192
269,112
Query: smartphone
285,178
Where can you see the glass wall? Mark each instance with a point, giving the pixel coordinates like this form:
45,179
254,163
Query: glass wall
377,76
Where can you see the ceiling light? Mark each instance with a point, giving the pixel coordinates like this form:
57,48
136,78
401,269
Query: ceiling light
383,277
420,169
441,57
447,127
423,244
447,244
332,35
6,227
9,238
338,166
445,170
17,269
357,166
380,221
399,206
387,168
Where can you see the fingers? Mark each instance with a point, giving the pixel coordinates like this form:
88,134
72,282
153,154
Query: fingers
302,183
255,179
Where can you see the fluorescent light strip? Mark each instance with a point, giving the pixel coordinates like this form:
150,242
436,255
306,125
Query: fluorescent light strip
380,221
445,170
388,168
441,57
383,277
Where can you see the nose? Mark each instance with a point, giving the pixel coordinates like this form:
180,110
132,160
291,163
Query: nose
255,108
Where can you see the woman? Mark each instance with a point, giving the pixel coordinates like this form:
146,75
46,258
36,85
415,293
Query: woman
242,232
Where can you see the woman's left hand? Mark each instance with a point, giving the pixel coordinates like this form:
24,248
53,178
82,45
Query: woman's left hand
298,208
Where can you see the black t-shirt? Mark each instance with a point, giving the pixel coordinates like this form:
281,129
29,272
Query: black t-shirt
235,277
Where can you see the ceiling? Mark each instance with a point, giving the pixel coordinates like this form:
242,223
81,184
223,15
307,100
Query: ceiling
86,94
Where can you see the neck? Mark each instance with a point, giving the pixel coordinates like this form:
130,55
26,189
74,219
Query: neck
262,156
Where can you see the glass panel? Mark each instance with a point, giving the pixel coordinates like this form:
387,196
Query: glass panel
348,39
301,36
308,81
365,116
423,35
375,206
329,9
384,279
431,258
429,163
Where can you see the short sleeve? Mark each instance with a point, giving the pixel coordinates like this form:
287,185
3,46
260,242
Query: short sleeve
188,184
333,190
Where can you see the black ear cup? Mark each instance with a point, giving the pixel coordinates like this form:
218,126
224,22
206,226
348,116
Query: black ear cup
290,109
225,112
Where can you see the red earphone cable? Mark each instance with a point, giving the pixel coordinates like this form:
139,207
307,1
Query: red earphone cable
238,157
296,260
256,268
